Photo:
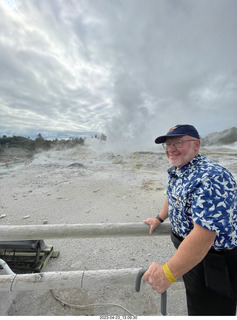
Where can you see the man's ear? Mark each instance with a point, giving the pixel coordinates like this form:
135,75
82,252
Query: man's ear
197,144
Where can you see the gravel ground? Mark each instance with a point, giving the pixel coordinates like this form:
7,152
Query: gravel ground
83,186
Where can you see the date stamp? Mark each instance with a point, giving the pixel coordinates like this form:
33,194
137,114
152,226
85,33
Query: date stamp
118,317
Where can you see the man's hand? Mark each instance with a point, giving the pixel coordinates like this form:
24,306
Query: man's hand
156,277
153,223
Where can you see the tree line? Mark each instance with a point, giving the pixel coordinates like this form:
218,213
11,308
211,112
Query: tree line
38,143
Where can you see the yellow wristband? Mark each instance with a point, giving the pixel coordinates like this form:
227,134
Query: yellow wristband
168,273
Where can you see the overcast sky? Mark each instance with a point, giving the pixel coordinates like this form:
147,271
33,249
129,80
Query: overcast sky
128,68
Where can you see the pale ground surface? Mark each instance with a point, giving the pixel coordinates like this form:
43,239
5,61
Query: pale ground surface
85,186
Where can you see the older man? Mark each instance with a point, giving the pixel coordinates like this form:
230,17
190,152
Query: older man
202,207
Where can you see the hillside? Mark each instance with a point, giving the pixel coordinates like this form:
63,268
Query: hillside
225,137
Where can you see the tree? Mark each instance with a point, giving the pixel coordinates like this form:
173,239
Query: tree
39,137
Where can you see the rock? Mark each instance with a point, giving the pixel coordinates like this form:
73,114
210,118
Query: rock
118,160
76,165
137,165
3,215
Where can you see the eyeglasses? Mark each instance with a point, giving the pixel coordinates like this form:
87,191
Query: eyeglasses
177,144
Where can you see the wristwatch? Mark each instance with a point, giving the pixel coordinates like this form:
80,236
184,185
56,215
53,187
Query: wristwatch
159,218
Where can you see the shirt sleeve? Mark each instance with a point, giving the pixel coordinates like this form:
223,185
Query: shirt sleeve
213,204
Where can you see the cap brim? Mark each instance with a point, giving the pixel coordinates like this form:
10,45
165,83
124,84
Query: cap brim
162,139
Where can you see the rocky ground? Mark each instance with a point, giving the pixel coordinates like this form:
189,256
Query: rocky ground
80,185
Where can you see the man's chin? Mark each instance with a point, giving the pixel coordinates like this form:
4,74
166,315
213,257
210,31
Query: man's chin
174,162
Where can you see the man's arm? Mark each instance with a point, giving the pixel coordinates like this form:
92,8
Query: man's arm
191,251
153,222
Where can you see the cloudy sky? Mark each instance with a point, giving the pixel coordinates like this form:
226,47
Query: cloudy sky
128,68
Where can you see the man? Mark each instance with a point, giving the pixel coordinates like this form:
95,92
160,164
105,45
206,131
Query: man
202,207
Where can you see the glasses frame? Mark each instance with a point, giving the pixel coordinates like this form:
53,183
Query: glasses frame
174,144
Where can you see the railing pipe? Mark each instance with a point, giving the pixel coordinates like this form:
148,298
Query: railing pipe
68,279
97,230
87,279
5,267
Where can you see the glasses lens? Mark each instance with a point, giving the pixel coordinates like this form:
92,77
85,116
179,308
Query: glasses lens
178,144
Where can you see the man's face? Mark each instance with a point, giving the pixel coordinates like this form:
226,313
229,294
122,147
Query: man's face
182,154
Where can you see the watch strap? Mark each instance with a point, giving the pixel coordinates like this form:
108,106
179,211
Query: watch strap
159,218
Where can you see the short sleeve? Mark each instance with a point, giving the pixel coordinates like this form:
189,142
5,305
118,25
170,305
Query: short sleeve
213,204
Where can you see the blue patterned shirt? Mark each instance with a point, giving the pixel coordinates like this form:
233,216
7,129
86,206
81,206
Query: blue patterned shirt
204,192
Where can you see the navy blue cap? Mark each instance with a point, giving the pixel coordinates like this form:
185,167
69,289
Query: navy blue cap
179,130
